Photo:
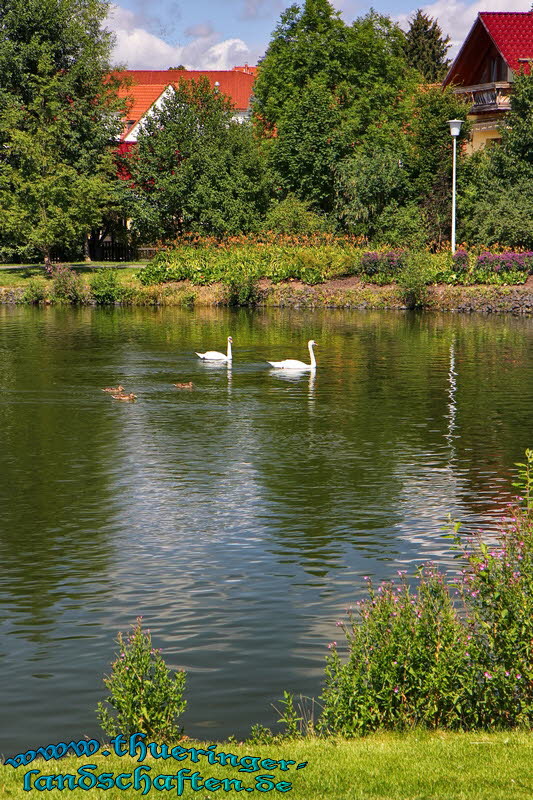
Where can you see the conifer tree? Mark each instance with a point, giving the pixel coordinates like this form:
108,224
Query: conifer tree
426,47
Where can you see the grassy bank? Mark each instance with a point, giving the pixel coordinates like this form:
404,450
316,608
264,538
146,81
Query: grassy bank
414,766
279,273
33,286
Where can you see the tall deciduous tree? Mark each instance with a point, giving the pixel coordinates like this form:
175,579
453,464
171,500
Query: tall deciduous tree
320,86
195,169
59,116
426,47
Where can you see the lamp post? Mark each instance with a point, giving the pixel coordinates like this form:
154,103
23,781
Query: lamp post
455,130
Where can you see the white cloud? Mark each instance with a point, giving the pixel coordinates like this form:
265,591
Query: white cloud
137,48
456,18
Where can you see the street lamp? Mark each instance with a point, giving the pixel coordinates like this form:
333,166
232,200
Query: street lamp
455,130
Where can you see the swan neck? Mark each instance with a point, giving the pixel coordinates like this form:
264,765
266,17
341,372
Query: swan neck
312,354
229,351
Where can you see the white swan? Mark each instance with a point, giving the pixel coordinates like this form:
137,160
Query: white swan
213,355
292,363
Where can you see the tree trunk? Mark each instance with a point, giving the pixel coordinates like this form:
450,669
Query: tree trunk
86,251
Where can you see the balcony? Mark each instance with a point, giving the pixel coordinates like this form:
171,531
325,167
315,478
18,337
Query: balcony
487,96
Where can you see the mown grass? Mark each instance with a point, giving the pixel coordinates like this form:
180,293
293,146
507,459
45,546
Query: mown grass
15,275
413,766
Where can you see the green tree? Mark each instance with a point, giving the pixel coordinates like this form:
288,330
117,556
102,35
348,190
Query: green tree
401,164
426,47
59,114
195,169
320,87
495,201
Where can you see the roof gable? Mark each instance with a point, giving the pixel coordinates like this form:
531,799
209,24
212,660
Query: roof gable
507,33
512,33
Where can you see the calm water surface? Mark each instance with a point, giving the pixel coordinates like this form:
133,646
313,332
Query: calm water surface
238,518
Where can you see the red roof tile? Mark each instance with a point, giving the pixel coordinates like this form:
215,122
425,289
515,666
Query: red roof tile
512,33
234,84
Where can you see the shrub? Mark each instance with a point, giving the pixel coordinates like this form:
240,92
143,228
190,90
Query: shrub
67,285
505,262
405,664
144,695
419,271
384,263
105,287
243,292
416,658
34,292
293,216
460,261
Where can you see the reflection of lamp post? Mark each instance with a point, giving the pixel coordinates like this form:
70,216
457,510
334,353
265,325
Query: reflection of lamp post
455,130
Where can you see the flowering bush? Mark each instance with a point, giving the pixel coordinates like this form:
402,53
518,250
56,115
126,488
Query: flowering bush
505,262
460,261
418,658
67,285
388,263
144,696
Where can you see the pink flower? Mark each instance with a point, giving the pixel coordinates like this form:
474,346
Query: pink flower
487,675
396,690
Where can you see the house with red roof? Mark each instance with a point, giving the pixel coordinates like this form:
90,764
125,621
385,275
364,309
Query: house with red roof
499,45
149,87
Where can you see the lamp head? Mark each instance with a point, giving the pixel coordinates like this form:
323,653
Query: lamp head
455,126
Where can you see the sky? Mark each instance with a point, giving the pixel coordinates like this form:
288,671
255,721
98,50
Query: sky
206,34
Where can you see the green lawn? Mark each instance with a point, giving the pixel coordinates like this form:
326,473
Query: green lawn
17,275
415,766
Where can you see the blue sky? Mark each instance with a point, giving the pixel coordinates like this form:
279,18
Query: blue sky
157,34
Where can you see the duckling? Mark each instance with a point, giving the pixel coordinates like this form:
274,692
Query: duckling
114,389
124,396
188,385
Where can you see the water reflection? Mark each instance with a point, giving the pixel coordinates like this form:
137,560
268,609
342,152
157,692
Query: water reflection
240,516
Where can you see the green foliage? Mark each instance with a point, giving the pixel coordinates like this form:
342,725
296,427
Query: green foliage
106,288
495,201
419,271
426,47
34,292
430,160
57,119
143,695
292,215
407,660
241,266
402,226
524,481
67,285
321,86
243,292
417,658
366,183
502,213
195,169
290,717
308,145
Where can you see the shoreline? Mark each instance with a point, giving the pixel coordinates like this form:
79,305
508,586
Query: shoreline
339,293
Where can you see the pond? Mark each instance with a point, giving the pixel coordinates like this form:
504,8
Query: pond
239,517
